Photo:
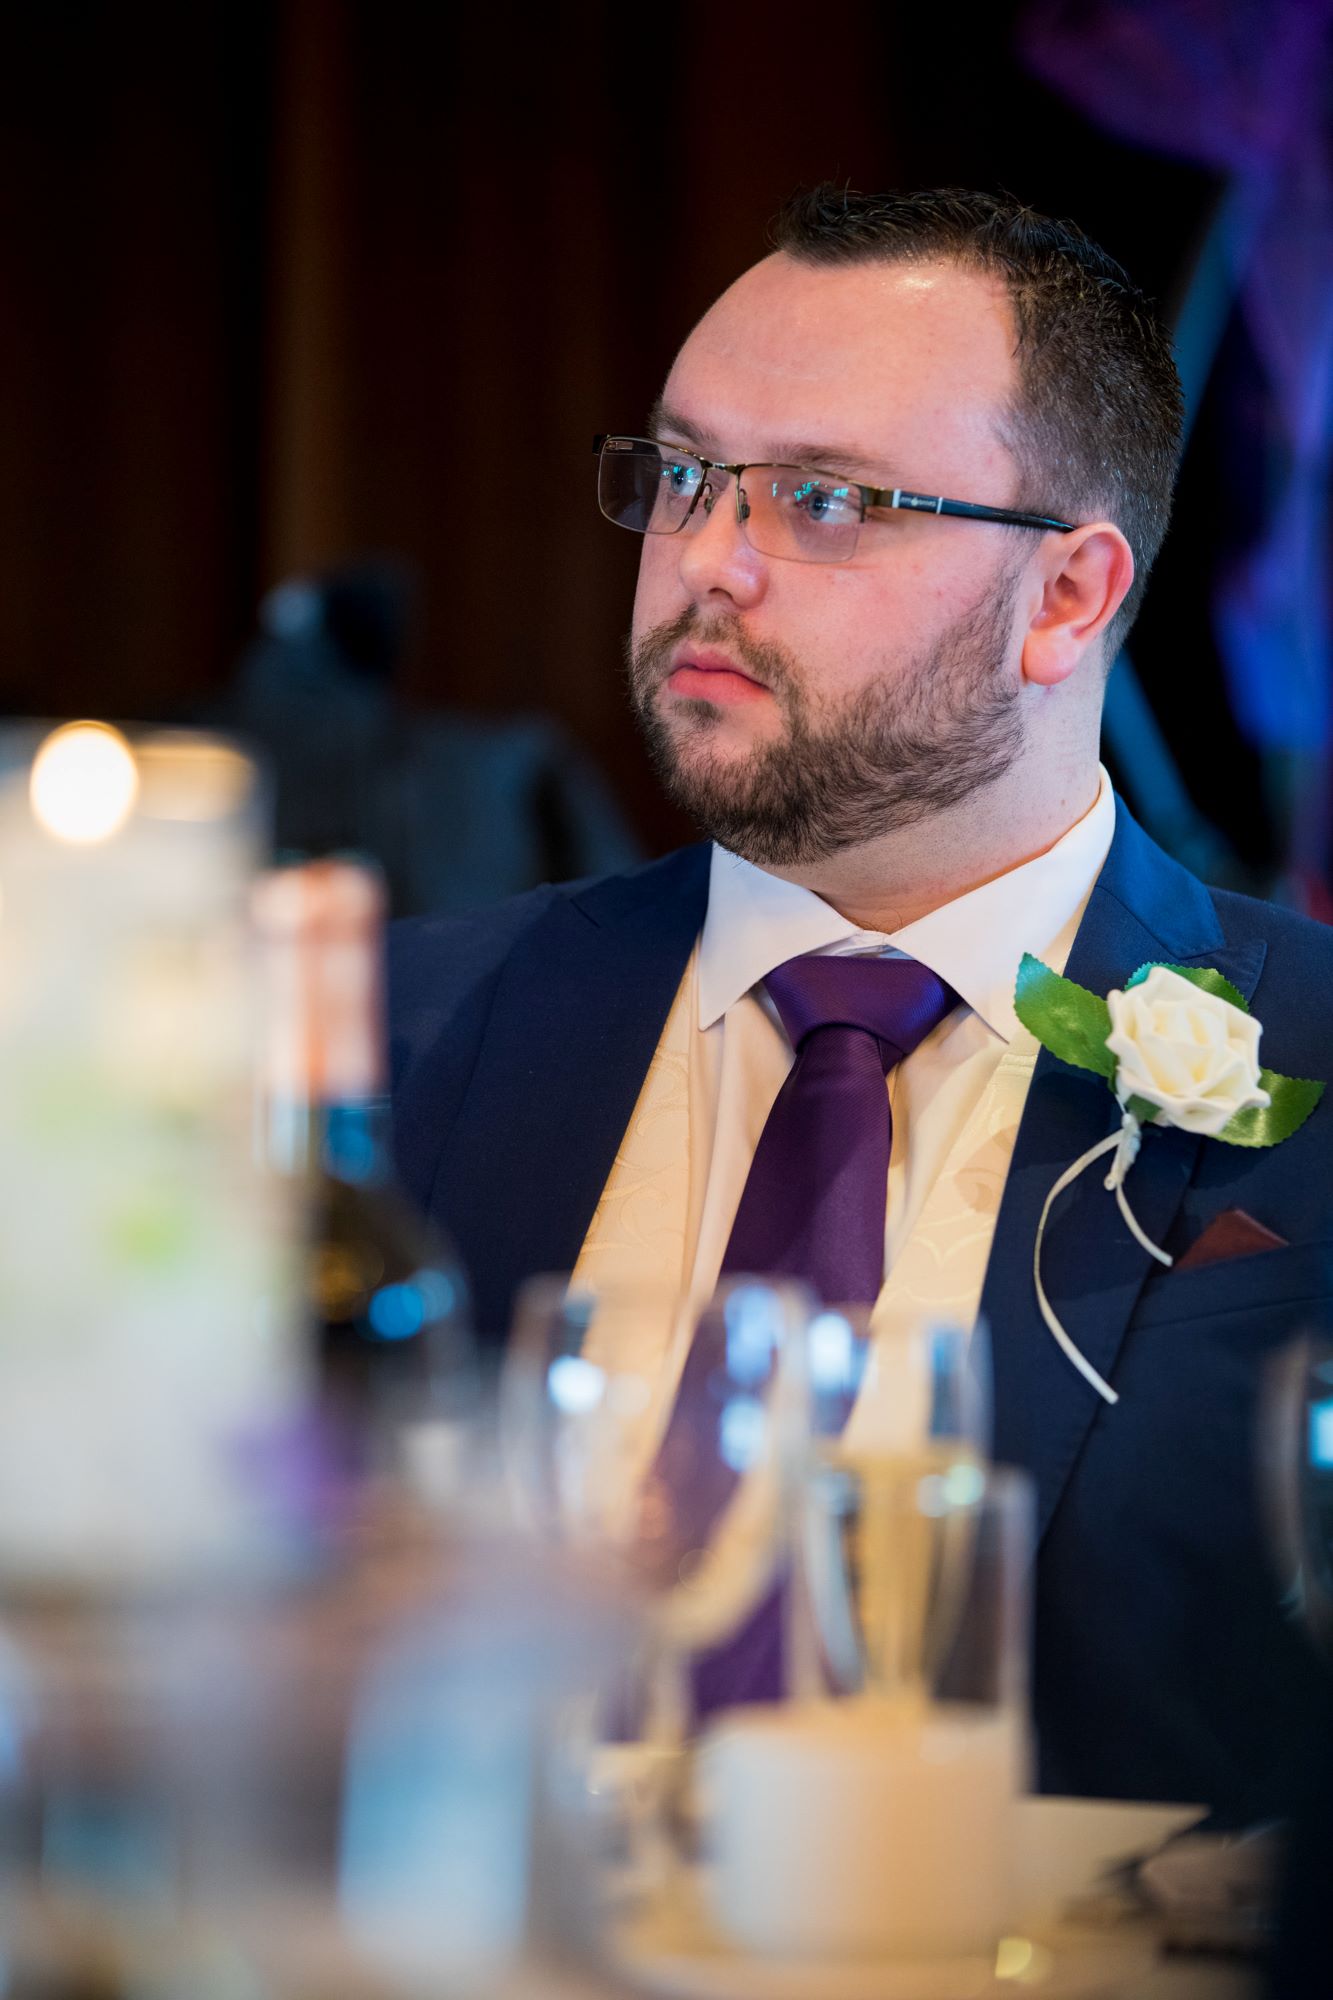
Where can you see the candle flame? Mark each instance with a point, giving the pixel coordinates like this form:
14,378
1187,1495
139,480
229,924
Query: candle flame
84,783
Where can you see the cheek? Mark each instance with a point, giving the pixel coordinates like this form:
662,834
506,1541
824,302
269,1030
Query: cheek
859,631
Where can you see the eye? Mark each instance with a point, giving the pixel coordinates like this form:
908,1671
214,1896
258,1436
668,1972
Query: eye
679,477
822,505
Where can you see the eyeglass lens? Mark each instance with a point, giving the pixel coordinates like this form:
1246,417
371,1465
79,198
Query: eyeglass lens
650,489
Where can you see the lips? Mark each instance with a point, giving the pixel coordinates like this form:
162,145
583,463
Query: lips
708,675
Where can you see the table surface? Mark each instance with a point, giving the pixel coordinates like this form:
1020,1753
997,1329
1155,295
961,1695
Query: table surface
1063,1848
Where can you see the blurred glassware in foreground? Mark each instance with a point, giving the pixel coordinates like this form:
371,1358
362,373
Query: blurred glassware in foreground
274,1685
882,1825
382,1298
333,1786
650,1437
654,1436
877,1823
698,1459
887,1490
1297,1462
870,1819
142,1331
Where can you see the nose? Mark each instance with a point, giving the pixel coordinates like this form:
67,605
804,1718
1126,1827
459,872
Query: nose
715,561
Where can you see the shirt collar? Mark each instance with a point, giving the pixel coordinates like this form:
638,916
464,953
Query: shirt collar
756,921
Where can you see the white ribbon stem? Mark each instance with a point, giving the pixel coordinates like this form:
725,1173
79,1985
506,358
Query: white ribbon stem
1129,1138
1125,1145
1144,1241
1048,1313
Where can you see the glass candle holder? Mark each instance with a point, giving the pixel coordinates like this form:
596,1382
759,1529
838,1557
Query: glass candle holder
145,1341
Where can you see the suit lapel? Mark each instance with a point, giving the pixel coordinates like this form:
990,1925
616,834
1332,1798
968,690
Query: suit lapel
1143,907
576,1017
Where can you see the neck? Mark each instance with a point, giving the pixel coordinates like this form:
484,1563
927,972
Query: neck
889,882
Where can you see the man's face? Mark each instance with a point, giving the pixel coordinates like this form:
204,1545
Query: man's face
797,709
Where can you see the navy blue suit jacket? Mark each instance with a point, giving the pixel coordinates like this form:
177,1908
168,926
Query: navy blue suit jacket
1165,1666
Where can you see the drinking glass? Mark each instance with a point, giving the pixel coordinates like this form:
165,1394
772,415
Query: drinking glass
650,1434
652,1437
1298,1464
888,1486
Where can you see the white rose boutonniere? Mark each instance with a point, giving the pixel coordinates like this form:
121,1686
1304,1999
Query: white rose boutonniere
1190,1054
1178,1046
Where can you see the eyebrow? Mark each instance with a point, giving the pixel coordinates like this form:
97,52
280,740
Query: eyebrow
819,456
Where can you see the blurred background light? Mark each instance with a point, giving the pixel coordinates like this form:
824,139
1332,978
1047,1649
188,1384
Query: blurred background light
576,1386
84,783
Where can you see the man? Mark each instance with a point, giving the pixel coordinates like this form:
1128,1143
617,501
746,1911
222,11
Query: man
899,501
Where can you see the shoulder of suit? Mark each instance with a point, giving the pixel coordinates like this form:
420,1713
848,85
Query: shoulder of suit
1284,931
1294,995
1294,946
424,951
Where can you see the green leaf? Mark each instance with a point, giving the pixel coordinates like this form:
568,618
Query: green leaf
1206,977
1066,1019
1294,1098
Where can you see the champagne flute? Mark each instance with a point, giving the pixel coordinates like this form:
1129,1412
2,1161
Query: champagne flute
888,1489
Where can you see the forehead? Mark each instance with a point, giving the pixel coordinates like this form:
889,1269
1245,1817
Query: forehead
908,361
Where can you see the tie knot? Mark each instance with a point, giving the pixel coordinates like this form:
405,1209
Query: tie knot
894,999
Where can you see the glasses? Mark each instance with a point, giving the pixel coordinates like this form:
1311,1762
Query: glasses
783,510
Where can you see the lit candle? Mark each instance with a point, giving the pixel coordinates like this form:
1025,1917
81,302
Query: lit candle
142,1331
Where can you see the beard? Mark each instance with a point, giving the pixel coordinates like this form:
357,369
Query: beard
906,747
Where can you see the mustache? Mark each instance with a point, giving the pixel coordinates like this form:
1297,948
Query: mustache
649,661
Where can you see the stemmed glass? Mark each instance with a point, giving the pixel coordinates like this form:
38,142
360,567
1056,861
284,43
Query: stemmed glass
887,1491
1298,1463
651,1437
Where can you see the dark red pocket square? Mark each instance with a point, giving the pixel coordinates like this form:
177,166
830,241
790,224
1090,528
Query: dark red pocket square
1233,1233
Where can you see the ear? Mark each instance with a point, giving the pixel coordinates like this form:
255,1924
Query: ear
1086,579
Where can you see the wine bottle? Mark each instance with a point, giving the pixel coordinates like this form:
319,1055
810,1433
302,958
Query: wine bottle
384,1298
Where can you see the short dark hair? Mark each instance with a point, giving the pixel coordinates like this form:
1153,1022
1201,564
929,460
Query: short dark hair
1096,424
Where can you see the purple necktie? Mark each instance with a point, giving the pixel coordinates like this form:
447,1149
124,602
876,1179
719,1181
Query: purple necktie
813,1208
813,1205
